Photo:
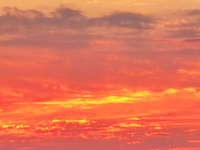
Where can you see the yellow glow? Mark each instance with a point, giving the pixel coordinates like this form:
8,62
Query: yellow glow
141,94
88,100
82,121
22,126
135,118
190,89
7,126
171,91
130,125
158,128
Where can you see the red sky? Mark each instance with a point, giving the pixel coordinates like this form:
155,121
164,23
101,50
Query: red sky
99,75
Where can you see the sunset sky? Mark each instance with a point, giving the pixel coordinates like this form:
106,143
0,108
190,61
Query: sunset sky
100,75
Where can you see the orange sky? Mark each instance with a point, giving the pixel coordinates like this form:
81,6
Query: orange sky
99,75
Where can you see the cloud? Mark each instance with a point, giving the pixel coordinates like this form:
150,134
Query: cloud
15,20
61,17
125,20
185,27
70,18
62,28
184,33
193,12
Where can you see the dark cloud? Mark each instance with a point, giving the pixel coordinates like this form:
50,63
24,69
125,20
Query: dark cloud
15,19
68,14
34,28
65,17
126,20
183,33
193,12
70,18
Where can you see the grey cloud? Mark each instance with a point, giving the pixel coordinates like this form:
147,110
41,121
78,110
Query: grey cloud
15,18
68,13
34,28
183,33
126,20
62,17
70,18
193,12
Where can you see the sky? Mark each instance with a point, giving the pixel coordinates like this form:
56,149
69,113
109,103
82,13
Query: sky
99,75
